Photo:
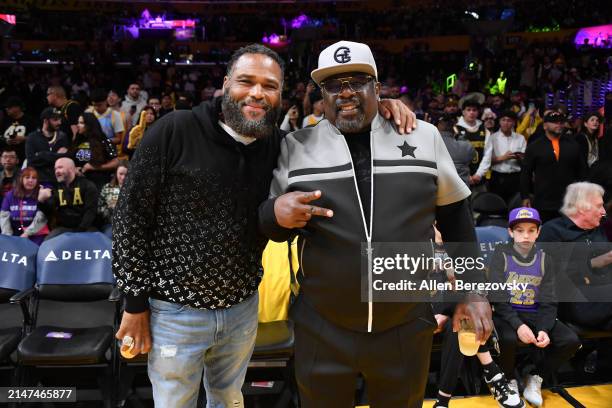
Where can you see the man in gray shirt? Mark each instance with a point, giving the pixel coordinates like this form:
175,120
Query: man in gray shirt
461,151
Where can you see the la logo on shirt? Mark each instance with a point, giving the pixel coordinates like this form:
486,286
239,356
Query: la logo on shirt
76,197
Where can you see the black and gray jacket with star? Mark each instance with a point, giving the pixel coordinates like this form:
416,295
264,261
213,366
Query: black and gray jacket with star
413,183
185,226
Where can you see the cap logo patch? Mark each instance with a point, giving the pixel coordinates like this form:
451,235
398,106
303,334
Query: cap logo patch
524,214
342,55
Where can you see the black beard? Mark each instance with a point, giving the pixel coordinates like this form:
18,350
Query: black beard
233,117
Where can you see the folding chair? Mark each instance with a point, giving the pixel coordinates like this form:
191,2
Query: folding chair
491,209
274,342
18,261
75,310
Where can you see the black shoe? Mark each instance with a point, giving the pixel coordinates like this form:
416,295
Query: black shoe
505,396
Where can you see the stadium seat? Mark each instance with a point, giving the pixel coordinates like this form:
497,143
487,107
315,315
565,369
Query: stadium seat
489,237
515,202
491,210
18,266
73,320
274,343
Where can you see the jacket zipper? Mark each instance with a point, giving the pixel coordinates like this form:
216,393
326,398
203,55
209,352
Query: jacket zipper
368,232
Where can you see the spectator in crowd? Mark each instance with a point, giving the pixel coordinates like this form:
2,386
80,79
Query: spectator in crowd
588,263
461,151
20,214
462,84
470,128
489,119
208,91
530,122
503,153
550,165
114,102
9,171
93,153
134,101
73,202
109,196
529,316
183,102
291,122
155,103
79,85
15,126
113,99
498,103
451,106
588,138
167,105
317,114
147,117
70,109
46,145
246,143
110,120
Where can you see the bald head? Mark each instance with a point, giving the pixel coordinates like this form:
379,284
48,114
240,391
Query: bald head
65,171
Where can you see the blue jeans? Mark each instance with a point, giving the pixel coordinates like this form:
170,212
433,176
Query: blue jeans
188,342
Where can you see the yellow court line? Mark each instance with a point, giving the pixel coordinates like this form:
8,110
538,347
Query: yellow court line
595,396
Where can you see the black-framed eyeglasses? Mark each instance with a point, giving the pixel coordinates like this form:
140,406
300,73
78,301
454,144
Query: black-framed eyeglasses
355,83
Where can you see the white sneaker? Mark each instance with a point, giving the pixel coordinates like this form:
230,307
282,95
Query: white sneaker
533,390
513,384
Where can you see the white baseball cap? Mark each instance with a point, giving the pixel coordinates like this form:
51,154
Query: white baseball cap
344,56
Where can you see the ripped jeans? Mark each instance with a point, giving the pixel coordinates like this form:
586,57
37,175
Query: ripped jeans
189,342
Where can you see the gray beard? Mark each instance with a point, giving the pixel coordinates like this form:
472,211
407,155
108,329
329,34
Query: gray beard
350,125
233,117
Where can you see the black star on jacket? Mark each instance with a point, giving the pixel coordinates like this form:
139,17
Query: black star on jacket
406,149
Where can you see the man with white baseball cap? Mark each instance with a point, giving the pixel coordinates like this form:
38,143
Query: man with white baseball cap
342,57
376,185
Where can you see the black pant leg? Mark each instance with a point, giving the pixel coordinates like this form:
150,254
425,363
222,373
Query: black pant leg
324,354
508,342
451,361
563,345
395,364
505,185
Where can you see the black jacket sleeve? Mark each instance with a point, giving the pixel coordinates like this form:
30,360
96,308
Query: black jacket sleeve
454,221
39,155
134,217
267,219
90,201
268,225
